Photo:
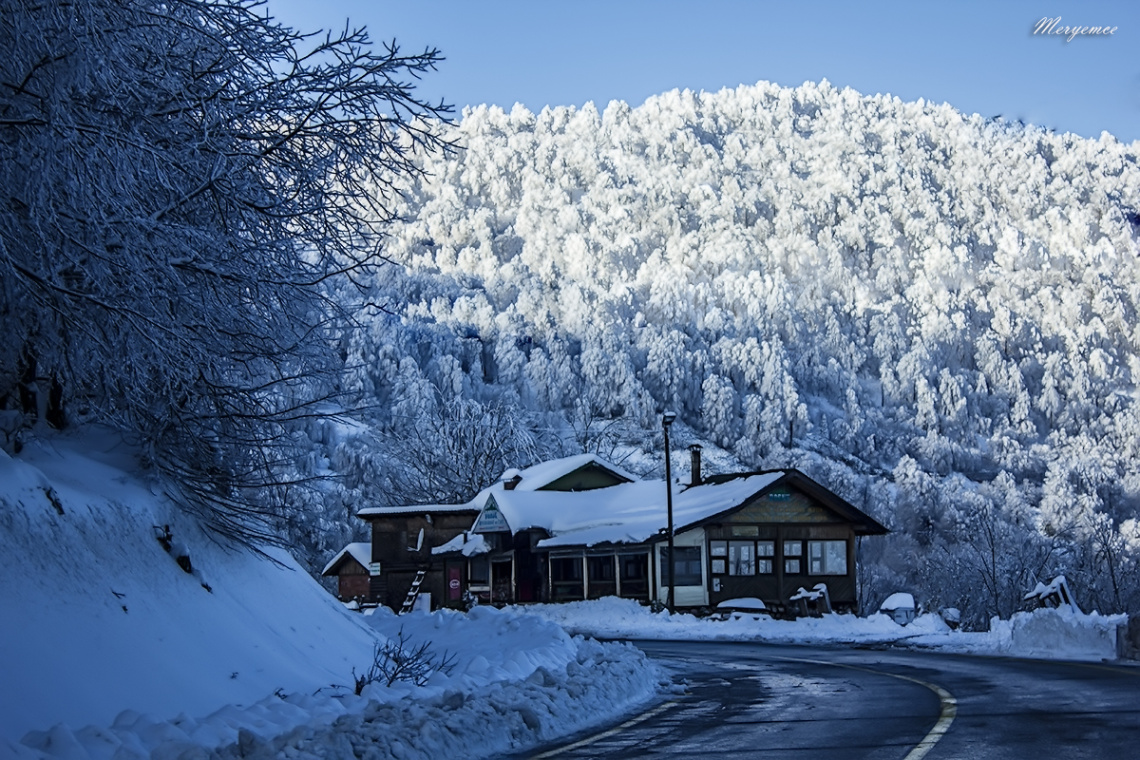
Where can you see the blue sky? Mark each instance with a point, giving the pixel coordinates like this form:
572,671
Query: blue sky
978,56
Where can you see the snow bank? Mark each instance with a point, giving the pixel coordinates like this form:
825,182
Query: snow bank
1044,633
517,680
98,618
625,618
109,649
600,682
1060,633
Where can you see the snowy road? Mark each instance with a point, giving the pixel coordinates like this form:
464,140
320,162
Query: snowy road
752,700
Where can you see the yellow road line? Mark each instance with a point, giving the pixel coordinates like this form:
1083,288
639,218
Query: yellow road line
610,732
947,701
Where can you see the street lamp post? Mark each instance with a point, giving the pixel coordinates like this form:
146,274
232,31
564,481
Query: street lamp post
667,420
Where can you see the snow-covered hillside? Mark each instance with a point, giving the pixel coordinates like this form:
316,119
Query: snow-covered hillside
98,618
931,312
107,645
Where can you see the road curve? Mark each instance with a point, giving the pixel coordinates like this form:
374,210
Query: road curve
752,700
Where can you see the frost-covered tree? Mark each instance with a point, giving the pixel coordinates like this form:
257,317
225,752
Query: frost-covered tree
808,274
449,452
188,191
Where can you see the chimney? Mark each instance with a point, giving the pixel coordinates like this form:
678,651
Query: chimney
510,483
695,453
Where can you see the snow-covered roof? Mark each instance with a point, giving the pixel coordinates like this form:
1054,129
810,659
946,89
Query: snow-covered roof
545,473
466,543
626,513
531,479
361,551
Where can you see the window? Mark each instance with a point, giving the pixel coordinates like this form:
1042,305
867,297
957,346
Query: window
566,569
741,558
793,548
792,566
827,557
600,569
765,550
686,567
718,548
634,575
718,567
634,567
479,571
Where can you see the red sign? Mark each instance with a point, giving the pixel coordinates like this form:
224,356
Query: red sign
453,575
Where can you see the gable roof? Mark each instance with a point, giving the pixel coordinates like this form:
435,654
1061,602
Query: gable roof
637,512
864,524
361,551
637,517
532,478
543,474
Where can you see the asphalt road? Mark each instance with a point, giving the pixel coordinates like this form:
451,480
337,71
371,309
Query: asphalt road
749,700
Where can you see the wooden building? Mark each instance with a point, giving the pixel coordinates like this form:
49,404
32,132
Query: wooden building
407,540
581,528
350,567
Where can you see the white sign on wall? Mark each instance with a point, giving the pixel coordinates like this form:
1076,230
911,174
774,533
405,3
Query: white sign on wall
491,520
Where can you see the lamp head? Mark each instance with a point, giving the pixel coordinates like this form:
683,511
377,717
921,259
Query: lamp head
667,418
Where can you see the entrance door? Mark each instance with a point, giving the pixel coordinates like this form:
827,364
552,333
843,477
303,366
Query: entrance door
502,583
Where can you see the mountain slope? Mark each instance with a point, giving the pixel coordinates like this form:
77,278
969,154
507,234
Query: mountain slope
885,292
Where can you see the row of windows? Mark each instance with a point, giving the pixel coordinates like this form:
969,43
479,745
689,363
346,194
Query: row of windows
758,557
743,558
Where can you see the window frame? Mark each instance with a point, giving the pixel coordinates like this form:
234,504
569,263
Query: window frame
680,577
825,566
742,558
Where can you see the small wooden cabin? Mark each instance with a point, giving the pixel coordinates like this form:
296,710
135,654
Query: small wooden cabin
350,566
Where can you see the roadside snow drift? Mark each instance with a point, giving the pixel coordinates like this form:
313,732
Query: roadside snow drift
1061,634
108,648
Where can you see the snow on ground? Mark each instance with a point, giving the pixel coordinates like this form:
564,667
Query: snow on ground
1045,633
109,649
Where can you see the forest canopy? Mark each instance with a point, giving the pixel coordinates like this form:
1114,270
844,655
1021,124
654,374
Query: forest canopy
933,313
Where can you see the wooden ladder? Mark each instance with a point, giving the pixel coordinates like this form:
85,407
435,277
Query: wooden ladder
413,592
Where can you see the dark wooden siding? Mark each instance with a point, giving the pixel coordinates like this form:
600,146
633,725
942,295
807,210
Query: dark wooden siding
353,586
787,515
394,535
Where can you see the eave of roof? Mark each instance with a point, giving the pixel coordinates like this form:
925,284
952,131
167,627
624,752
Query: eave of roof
533,479
368,513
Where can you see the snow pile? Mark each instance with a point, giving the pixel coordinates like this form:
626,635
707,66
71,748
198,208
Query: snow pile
109,649
1060,633
1044,633
599,682
625,618
900,600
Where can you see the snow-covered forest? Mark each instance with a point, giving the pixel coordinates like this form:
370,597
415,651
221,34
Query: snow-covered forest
932,313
